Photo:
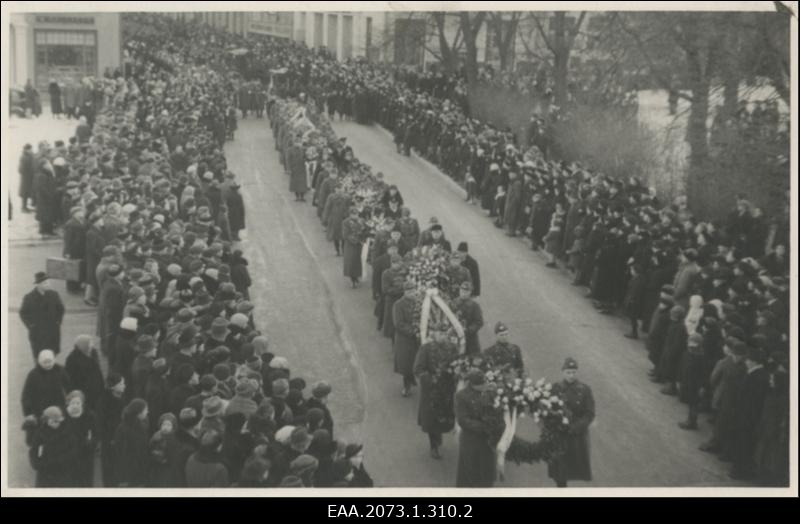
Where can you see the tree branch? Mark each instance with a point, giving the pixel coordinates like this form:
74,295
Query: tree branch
543,33
665,84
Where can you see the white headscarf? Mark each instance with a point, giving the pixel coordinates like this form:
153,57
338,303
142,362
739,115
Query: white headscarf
694,315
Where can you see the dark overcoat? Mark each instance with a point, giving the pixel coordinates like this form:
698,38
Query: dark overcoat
476,455
42,314
436,412
576,462
44,388
352,233
405,336
471,315
297,170
85,374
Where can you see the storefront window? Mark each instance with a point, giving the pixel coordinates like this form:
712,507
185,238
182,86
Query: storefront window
64,55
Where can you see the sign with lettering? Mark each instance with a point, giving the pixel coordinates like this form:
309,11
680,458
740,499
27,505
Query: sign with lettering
60,19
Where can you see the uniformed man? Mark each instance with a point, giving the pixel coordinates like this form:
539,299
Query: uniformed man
406,343
471,316
476,441
578,400
504,354
456,275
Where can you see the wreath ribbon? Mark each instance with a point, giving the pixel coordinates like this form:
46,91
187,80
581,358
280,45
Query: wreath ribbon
432,296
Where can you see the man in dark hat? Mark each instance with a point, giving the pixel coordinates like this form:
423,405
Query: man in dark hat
476,454
503,353
472,266
75,245
110,308
471,315
578,400
42,312
436,238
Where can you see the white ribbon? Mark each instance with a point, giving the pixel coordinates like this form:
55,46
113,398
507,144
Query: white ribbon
424,319
364,253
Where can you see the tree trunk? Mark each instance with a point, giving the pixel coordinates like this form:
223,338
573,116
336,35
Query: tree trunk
697,129
730,69
560,59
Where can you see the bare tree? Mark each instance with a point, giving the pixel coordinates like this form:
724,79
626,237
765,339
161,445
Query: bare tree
503,27
471,23
559,44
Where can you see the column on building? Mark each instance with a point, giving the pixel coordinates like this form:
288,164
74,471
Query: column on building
339,37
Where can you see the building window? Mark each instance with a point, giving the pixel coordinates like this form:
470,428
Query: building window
64,55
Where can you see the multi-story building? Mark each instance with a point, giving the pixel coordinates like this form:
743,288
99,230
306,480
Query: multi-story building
59,46
346,34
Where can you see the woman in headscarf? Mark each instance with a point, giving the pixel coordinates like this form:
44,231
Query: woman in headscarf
53,451
131,446
165,465
694,315
83,424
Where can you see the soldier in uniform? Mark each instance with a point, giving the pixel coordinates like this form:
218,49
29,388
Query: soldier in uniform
409,227
503,353
456,275
471,316
476,453
391,292
405,337
575,464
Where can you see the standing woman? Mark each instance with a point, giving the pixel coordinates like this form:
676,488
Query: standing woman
83,424
353,235
53,451
132,446
436,413
110,415
55,98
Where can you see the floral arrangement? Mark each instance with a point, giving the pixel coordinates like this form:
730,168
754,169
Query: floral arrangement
522,395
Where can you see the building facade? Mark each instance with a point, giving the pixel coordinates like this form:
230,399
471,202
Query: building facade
346,34
62,46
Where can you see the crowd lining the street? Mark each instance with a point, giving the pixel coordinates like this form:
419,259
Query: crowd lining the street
711,296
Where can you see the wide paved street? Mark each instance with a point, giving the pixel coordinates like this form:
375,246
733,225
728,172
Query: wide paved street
320,323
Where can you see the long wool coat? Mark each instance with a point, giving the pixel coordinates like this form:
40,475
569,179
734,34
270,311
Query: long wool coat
335,213
405,336
296,166
42,315
325,191
576,463
352,233
112,303
436,412
476,454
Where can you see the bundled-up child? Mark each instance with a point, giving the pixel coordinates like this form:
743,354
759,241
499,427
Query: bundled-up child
576,251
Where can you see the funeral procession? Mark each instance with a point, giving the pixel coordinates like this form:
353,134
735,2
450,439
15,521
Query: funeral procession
385,248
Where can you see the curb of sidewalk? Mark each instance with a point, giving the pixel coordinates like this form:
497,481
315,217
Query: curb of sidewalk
33,242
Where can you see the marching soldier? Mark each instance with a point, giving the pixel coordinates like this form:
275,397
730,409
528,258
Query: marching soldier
503,353
575,464
405,337
472,316
457,275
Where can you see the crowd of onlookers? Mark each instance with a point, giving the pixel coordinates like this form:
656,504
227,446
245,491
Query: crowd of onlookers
179,388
